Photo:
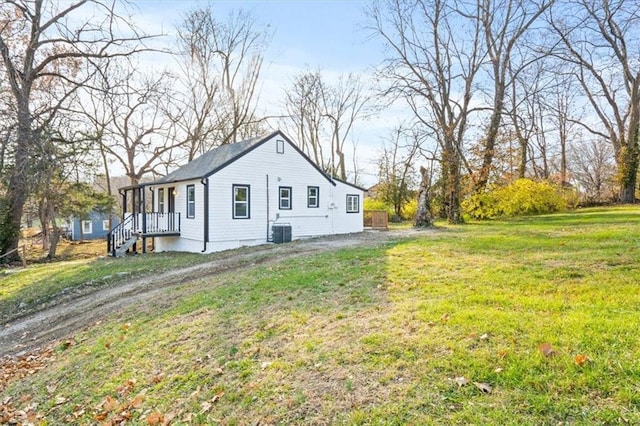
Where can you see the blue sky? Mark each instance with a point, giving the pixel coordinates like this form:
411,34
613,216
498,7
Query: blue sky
329,35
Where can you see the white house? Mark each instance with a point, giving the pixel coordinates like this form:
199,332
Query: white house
260,190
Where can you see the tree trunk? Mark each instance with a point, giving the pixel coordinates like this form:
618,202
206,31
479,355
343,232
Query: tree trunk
490,143
43,215
16,195
628,173
522,166
451,179
55,235
423,217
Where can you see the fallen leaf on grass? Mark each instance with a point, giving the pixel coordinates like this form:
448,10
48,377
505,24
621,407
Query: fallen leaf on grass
155,418
60,400
485,336
126,387
206,406
547,349
484,387
157,378
461,381
109,404
100,416
581,359
136,402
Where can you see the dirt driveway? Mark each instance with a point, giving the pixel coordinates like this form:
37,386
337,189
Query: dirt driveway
66,317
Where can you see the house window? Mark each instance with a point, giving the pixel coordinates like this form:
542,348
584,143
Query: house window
161,200
285,198
353,203
87,227
191,201
280,146
105,225
241,201
313,196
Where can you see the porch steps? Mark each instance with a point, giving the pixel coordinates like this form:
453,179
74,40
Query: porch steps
121,250
141,225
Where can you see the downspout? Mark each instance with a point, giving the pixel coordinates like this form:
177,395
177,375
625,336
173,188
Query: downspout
268,218
205,183
143,212
154,216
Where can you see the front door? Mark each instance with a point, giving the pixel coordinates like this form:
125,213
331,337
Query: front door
172,200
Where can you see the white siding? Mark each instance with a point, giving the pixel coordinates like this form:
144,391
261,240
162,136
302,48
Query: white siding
265,171
347,222
191,229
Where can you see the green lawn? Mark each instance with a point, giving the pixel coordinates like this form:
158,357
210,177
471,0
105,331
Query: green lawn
526,321
25,290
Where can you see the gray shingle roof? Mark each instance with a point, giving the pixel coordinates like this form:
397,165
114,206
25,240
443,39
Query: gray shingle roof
212,161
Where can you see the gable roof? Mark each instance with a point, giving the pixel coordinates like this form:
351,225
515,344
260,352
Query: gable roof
212,161
353,185
220,157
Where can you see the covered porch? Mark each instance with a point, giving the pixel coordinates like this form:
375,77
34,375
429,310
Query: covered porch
139,221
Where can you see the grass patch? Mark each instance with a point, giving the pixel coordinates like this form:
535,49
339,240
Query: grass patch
381,335
24,290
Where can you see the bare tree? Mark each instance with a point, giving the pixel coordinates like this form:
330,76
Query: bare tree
505,24
564,118
130,119
303,105
48,51
322,111
593,168
433,63
525,112
599,39
396,172
220,64
345,103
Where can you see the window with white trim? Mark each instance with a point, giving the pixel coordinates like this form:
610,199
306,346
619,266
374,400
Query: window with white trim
280,146
241,199
285,198
105,225
313,196
87,227
191,201
353,203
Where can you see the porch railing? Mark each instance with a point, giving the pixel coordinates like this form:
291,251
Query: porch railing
120,234
142,224
160,223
